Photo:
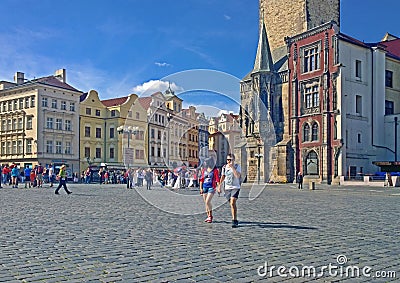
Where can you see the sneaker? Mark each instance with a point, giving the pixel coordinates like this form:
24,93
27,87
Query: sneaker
57,193
69,193
235,223
209,219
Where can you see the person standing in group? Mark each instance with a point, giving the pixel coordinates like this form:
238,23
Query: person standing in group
50,171
209,181
62,176
149,178
14,175
39,175
27,173
230,175
299,181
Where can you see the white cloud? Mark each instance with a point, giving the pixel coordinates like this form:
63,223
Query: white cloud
162,64
150,87
227,17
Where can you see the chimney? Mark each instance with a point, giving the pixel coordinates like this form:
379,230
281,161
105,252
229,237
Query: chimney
19,78
61,74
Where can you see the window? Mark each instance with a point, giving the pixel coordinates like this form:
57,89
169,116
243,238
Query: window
130,114
54,103
32,101
159,135
49,123
310,59
113,113
58,147
8,148
63,105
72,106
97,112
389,107
67,147
49,146
306,132
44,101
98,133
152,151
358,69
159,152
21,103
98,152
111,152
68,125
112,133
19,147
20,124
4,107
139,135
152,133
359,138
26,102
15,105
335,130
10,105
314,135
137,115
3,125
311,97
59,124
87,151
29,146
312,163
14,125
388,78
14,147
88,111
87,131
139,153
359,104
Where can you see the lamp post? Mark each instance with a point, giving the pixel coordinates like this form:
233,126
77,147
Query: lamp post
258,155
395,139
129,131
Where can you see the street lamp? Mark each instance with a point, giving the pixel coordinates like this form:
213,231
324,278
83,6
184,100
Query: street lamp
395,139
258,155
128,130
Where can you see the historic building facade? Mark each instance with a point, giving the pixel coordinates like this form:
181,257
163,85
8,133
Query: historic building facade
40,121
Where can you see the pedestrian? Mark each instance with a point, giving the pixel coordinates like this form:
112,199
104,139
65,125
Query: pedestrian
299,181
231,177
87,175
149,178
33,179
14,175
208,183
62,176
39,175
51,174
27,173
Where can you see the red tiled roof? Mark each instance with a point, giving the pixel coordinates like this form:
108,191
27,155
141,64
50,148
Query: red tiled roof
392,46
114,101
145,102
53,81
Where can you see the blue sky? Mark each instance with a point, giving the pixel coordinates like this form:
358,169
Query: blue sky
115,47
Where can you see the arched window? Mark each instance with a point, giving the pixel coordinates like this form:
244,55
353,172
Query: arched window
312,163
314,135
306,132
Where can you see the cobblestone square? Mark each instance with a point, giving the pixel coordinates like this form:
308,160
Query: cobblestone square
110,234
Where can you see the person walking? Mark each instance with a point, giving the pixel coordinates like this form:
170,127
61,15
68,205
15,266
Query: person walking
62,176
39,175
299,181
208,183
149,178
230,176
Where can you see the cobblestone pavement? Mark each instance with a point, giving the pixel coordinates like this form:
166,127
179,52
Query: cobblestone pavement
108,234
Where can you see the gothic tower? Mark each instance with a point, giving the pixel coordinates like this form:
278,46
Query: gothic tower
291,17
260,113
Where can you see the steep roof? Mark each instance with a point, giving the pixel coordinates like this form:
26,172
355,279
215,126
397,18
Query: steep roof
145,102
52,81
392,46
115,101
263,60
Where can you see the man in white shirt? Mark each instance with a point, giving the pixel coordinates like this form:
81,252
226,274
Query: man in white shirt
230,175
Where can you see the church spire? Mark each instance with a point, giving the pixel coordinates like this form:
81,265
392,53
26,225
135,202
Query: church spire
263,60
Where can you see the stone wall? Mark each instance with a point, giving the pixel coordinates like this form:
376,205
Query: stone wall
290,17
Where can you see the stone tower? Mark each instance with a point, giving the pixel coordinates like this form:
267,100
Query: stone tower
260,117
290,17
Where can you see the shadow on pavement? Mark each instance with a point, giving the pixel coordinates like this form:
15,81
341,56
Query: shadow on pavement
244,224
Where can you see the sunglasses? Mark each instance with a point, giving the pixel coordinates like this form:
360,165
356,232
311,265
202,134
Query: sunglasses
228,159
